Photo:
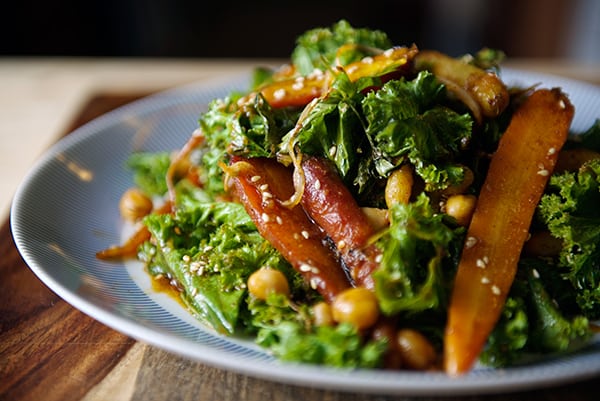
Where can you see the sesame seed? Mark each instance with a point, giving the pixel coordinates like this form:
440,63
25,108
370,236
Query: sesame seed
159,276
378,258
562,104
317,185
264,187
352,69
543,173
315,270
480,263
470,242
551,151
389,52
265,217
185,258
279,94
194,291
296,236
208,248
314,283
297,85
341,244
535,273
305,268
305,234
496,290
267,195
367,60
278,220
332,151
255,178
485,280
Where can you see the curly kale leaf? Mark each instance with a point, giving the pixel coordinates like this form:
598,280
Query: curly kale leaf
407,121
416,272
318,48
149,171
572,214
210,249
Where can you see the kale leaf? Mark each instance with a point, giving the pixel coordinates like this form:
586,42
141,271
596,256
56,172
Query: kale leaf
149,171
318,48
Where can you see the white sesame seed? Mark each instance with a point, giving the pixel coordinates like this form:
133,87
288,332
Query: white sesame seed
194,291
279,94
315,270
267,195
264,187
185,258
332,151
480,263
305,268
314,283
317,185
470,242
341,244
305,234
278,220
389,52
265,217
297,85
496,290
367,60
551,151
543,173
255,178
535,273
562,104
486,260
485,280
296,236
208,248
378,258
159,276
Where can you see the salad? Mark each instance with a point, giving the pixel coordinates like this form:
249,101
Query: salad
379,206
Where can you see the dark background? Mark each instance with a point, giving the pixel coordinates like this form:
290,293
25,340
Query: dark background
268,28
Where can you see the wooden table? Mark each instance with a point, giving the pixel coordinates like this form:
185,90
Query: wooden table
51,351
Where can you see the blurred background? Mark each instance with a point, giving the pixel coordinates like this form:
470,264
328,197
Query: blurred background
268,28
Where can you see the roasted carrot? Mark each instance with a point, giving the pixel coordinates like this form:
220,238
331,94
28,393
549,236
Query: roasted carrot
518,174
331,205
261,185
299,91
483,92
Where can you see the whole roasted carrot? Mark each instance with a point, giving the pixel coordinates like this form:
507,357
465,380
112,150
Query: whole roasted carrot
331,205
261,185
516,179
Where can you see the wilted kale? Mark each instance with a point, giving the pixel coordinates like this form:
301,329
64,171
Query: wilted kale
149,171
417,269
289,334
572,213
533,322
318,48
210,250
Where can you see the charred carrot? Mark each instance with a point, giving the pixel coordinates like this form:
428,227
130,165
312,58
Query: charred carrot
518,173
261,185
299,91
331,205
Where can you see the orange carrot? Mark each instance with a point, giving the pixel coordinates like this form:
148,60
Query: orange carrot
516,179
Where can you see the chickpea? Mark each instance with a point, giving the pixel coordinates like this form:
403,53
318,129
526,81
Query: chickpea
415,349
357,306
461,207
398,187
378,218
265,281
134,204
322,314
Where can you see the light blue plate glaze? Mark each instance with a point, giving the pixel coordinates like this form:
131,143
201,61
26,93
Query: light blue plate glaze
67,209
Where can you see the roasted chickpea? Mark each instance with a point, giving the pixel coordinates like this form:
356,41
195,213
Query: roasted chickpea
398,187
322,314
134,204
461,207
357,306
415,349
265,281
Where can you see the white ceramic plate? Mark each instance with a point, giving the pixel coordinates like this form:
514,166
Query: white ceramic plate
66,210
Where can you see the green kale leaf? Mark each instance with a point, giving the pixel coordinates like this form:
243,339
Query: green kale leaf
571,212
416,272
318,48
149,171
